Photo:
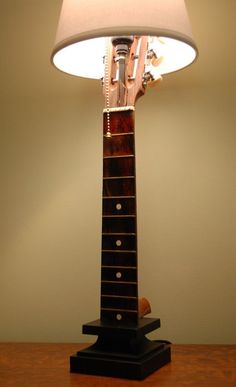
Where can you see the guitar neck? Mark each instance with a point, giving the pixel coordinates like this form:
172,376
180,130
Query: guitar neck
119,287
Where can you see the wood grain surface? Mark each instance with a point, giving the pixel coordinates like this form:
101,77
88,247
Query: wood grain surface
44,365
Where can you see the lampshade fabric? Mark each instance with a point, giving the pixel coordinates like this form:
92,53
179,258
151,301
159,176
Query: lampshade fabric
83,24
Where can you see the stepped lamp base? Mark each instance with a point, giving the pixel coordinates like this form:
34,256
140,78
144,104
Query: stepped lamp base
122,351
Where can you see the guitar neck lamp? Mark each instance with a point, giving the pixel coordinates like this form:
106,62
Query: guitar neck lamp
128,44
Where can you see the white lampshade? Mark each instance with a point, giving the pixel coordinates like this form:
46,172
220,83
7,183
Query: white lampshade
84,25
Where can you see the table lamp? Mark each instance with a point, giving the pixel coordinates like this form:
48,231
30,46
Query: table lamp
128,45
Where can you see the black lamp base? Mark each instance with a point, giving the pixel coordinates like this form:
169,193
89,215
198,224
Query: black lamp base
122,351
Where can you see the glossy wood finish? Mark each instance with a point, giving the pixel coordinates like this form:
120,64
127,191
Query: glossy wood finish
119,287
133,77
46,365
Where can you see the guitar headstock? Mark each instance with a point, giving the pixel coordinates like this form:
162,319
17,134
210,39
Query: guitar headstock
124,80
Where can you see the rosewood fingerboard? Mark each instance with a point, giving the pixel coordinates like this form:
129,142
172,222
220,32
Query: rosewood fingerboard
119,288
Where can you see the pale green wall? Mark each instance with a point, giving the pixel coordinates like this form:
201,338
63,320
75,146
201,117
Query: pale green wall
51,150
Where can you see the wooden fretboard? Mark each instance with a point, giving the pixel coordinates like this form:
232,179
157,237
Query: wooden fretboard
119,288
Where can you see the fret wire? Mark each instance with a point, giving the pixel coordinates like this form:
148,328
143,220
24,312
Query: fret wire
118,177
119,267
119,251
118,197
115,296
118,216
119,282
121,134
117,156
119,233
121,310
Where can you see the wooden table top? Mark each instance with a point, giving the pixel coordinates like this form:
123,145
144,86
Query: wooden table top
43,365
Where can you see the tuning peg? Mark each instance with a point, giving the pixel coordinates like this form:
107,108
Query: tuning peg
152,77
155,82
154,59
